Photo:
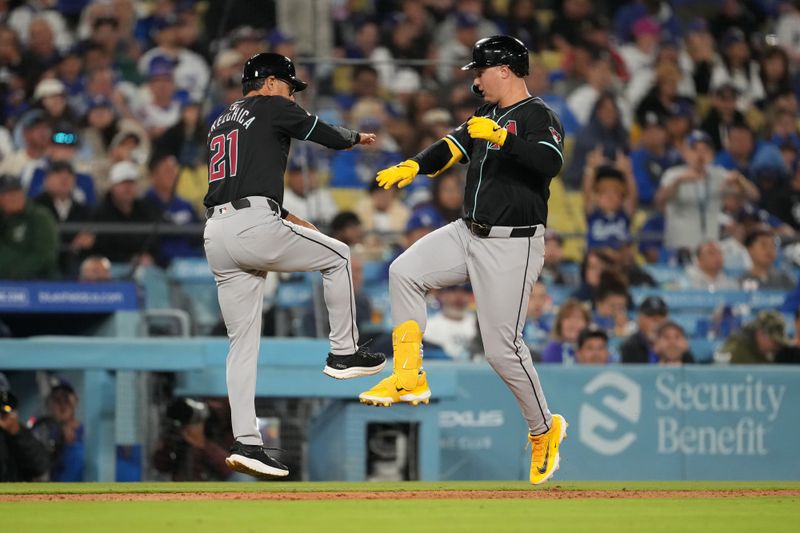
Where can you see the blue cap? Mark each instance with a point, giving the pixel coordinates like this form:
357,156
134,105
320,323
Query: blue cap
681,108
699,136
467,20
162,23
99,100
160,66
422,218
278,37
302,157
696,25
733,35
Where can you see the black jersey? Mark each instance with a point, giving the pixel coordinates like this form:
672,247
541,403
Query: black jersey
249,143
505,185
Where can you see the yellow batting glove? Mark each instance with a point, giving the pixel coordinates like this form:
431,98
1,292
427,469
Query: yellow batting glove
486,129
401,174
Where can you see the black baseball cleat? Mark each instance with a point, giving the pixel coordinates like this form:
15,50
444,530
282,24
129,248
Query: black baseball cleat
361,363
254,460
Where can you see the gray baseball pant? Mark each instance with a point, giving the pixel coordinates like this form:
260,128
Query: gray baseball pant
242,246
502,272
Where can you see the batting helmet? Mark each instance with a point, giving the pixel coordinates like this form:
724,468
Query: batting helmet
500,50
268,64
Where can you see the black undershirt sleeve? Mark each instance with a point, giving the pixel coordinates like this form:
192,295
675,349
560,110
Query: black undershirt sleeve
433,158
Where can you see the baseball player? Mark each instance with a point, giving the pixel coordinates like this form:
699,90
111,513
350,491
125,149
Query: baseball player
514,147
248,233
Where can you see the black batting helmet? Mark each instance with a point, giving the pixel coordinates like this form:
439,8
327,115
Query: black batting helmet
500,50
268,64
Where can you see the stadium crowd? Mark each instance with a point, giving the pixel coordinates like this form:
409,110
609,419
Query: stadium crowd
682,133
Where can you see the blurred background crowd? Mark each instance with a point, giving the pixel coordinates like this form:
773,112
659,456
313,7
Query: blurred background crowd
682,171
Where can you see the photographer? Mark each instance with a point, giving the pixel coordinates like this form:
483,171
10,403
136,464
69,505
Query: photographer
192,447
62,433
22,457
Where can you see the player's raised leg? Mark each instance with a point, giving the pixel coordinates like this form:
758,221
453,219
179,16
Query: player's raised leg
437,260
503,272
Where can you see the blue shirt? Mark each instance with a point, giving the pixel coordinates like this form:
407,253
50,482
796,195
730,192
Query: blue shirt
607,230
559,352
84,186
179,212
647,171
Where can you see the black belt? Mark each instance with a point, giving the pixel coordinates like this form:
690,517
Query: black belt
244,203
483,230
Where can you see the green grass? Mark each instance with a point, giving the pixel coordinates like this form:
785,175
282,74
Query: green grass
703,515
565,516
93,488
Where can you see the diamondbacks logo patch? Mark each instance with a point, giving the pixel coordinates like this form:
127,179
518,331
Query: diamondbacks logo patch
555,134
511,126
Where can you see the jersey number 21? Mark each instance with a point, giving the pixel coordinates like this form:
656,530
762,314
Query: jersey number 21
223,154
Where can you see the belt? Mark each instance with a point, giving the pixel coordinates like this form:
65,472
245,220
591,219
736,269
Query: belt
485,230
244,203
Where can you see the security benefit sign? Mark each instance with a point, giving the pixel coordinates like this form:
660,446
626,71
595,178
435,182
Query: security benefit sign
688,423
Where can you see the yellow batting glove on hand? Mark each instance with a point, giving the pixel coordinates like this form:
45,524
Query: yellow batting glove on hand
401,174
486,129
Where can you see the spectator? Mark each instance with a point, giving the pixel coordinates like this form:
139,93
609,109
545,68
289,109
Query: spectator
523,24
707,270
303,196
610,304
595,263
786,205
679,124
191,72
638,347
651,158
698,57
733,15
625,264
556,269
764,274
57,197
346,227
739,150
566,27
775,74
651,240
600,81
63,147
454,327
690,195
162,199
447,202
382,212
739,70
723,114
121,205
538,320
62,433
592,347
447,30
187,138
22,456
763,340
671,347
458,51
605,131
787,30
158,104
108,139
609,201
95,268
51,96
193,445
572,318
641,53
539,84
35,141
28,235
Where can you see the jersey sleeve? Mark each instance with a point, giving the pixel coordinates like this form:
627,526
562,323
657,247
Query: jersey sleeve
298,123
541,147
460,137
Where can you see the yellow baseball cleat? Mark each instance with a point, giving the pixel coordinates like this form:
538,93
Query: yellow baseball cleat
545,457
387,392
